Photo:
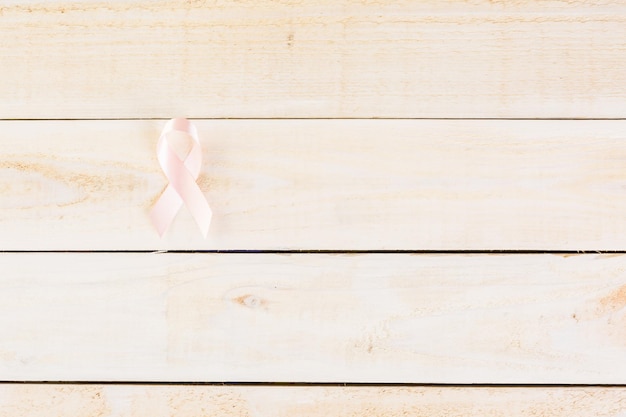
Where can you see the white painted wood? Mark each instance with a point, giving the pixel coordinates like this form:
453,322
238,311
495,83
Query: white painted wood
226,58
321,184
313,318
25,400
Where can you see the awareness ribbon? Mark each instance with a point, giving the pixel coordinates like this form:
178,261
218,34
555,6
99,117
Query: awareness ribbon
182,175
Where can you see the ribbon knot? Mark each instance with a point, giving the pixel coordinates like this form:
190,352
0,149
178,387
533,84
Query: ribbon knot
182,176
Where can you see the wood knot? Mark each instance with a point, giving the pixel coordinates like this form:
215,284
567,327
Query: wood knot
249,300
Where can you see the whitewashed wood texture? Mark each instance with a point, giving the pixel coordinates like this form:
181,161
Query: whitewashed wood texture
321,184
376,318
27,400
315,184
321,58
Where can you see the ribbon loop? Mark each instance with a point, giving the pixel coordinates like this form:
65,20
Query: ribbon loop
182,175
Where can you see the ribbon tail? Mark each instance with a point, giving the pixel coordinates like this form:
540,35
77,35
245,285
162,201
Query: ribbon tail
164,211
201,212
195,201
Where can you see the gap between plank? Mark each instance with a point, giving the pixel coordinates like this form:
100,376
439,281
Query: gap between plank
344,251
312,384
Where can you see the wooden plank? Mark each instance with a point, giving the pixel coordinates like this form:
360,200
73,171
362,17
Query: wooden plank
25,400
226,58
313,318
321,184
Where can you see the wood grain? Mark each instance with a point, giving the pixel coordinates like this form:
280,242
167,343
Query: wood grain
281,401
387,318
321,58
321,184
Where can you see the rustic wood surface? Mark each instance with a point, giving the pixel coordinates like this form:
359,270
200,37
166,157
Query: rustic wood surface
291,184
381,318
281,401
321,184
321,58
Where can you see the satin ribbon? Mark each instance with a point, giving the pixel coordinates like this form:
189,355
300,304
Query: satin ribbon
182,176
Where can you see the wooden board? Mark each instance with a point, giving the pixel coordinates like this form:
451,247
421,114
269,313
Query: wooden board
27,400
322,58
321,184
313,318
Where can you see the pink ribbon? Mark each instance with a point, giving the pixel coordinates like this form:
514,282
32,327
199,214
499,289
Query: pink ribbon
182,175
